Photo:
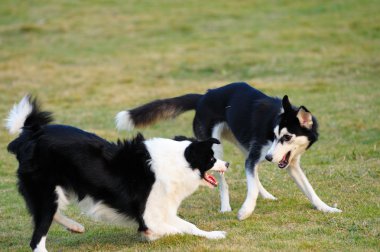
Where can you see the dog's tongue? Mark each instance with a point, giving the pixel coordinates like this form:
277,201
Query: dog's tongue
211,181
284,162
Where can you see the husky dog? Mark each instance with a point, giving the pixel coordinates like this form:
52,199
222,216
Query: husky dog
263,127
143,181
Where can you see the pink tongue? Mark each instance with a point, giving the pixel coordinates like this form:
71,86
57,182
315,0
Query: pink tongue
211,179
284,157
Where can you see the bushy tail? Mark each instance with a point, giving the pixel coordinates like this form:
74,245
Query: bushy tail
156,110
27,114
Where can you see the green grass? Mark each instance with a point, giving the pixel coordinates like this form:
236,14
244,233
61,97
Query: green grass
86,60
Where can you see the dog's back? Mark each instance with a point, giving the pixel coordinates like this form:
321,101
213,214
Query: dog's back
56,161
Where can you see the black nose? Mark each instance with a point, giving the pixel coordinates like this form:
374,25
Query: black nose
227,164
268,157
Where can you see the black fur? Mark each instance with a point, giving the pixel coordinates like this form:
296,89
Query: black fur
289,120
250,115
249,118
200,155
119,173
160,109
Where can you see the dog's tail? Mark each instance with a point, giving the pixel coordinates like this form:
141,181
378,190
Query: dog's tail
156,110
27,115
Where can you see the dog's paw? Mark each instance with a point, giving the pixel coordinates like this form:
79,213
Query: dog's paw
149,235
330,210
225,209
76,228
269,197
327,209
244,213
40,250
216,235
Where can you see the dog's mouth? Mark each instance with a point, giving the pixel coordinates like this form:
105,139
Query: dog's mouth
210,180
284,161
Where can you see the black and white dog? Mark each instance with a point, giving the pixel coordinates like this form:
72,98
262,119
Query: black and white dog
140,180
262,127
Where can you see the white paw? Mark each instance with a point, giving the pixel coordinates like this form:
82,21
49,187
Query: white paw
225,209
327,209
149,235
76,228
216,235
40,250
244,213
269,197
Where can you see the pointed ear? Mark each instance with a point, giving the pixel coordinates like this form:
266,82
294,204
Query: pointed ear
213,141
305,118
286,104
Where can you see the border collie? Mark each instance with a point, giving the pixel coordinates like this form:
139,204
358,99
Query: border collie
262,127
140,180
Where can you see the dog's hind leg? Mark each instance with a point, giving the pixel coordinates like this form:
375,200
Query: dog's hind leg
68,223
263,192
42,205
218,153
299,177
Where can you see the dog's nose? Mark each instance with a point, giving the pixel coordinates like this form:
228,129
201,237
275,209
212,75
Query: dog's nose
227,164
269,157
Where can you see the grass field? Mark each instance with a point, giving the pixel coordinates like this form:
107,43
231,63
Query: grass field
86,60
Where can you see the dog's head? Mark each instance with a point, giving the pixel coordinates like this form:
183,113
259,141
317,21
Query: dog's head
295,132
200,156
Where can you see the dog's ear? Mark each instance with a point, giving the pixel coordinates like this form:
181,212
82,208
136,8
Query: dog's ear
184,138
286,104
201,146
213,141
305,118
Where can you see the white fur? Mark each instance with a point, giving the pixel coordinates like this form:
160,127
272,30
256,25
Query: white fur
295,171
97,210
252,193
219,130
62,199
175,180
62,202
124,121
218,152
68,223
100,211
18,114
41,245
297,145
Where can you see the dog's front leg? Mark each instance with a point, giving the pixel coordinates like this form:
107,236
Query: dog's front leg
299,177
189,228
252,188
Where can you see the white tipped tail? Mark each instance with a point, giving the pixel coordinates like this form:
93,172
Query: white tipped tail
18,115
124,121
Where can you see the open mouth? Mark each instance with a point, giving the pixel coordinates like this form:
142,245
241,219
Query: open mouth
284,161
211,181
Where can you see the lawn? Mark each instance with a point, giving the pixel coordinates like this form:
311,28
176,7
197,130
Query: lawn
87,60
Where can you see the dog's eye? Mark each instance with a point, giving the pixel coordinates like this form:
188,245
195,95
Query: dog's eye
212,159
287,138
